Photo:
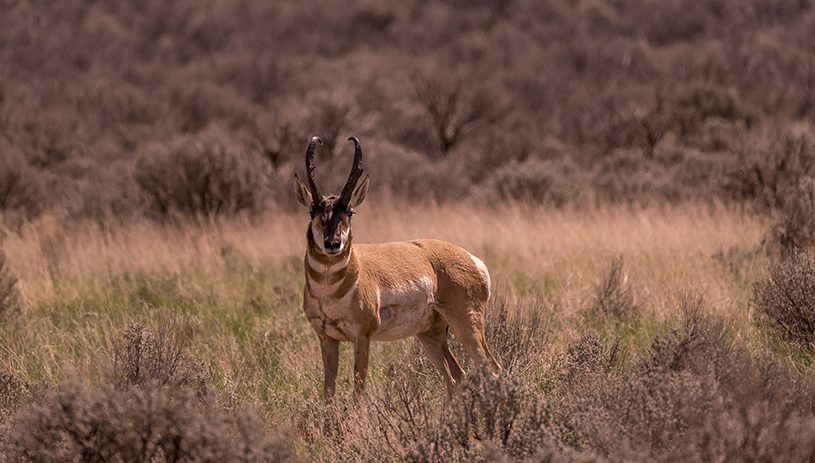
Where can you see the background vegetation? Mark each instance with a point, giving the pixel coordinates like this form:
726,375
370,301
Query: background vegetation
637,175
578,102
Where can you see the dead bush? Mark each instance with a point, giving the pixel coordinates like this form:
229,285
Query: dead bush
202,179
146,423
785,300
157,355
456,106
613,299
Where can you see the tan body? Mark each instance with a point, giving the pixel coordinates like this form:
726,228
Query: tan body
383,292
389,291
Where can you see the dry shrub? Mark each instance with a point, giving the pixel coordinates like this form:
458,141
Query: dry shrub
718,134
409,175
795,229
13,392
499,412
22,194
770,177
693,175
144,355
515,335
157,407
696,102
627,176
201,178
9,294
698,395
779,180
533,181
614,299
333,117
785,300
492,418
147,423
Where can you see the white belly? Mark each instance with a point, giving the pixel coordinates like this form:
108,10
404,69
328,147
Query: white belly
406,310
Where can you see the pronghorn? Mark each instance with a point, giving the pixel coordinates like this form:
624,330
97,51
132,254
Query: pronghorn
383,292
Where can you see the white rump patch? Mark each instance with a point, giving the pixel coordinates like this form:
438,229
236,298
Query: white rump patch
482,269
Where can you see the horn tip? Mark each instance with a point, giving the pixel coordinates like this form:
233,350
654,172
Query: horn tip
354,139
316,140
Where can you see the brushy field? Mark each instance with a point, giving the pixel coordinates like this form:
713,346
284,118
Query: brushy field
626,334
637,175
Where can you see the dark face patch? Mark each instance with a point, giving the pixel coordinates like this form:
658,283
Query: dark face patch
333,219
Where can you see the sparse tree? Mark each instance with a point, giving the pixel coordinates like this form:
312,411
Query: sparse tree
455,107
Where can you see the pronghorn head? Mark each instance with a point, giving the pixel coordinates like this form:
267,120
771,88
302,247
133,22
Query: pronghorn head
330,226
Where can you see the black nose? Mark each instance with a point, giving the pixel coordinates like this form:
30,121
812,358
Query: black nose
332,246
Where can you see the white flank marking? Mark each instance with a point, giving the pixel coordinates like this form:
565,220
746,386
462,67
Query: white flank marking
406,309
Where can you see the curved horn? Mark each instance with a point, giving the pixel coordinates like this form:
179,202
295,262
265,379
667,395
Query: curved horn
316,195
356,173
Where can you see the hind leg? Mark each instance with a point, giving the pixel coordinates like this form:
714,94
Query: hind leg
434,342
468,326
455,368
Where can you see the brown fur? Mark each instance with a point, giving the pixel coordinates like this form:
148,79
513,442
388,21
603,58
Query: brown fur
382,292
346,306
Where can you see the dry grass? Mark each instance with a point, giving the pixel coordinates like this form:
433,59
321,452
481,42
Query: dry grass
558,256
231,292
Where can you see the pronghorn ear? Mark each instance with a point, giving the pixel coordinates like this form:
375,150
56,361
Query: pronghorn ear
360,192
302,193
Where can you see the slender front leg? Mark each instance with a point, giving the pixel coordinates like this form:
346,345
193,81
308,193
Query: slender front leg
330,348
361,349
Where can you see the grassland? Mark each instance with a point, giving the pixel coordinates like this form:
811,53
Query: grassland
230,292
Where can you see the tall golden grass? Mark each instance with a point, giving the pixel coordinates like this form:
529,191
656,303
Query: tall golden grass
558,256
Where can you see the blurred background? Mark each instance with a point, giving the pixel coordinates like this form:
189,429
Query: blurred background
111,111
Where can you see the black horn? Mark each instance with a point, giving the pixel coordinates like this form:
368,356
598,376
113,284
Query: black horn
316,194
356,173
